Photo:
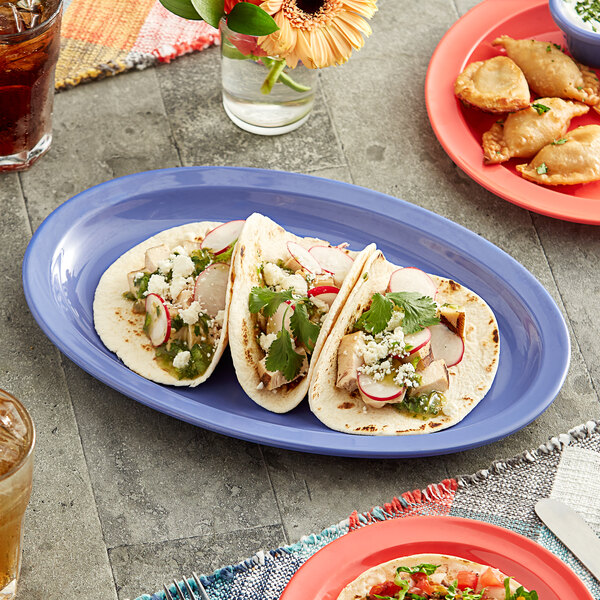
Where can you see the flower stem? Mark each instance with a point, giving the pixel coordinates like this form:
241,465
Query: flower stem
276,73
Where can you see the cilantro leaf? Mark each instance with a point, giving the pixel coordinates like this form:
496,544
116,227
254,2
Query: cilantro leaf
423,568
540,108
542,169
375,319
419,311
469,594
282,356
559,142
303,328
265,299
452,590
520,594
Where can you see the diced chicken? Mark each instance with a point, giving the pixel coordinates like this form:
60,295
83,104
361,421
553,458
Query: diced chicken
185,298
154,256
280,319
434,378
274,379
131,277
292,264
190,246
349,358
321,280
424,354
453,317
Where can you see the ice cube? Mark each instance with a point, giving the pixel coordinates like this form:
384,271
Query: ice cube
14,436
11,20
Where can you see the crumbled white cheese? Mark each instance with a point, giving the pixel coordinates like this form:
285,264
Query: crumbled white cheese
190,315
378,371
182,359
165,266
281,280
406,376
266,339
138,276
395,320
320,305
220,317
260,386
178,284
178,250
157,284
183,266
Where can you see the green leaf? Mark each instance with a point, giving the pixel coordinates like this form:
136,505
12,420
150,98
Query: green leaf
423,568
540,108
559,142
375,319
282,356
182,8
225,257
267,300
304,329
210,10
249,19
542,169
419,311
519,594
452,590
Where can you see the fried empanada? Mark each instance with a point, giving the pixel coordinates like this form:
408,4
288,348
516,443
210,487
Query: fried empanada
550,72
495,85
577,160
527,131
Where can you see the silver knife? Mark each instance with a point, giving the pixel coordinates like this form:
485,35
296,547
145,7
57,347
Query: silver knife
572,531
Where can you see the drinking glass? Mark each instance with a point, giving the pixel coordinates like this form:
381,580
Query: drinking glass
17,442
29,47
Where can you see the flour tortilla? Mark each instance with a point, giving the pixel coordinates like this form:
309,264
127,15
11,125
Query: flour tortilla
469,380
361,586
262,240
121,330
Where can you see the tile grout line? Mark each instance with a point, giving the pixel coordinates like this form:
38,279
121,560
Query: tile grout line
335,130
285,533
453,3
164,106
576,339
25,204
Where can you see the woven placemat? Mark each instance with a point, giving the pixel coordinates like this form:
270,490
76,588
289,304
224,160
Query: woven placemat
100,38
567,468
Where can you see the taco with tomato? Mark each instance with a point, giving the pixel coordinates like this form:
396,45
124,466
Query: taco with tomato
434,577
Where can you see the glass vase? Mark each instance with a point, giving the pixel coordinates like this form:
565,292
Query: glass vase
260,94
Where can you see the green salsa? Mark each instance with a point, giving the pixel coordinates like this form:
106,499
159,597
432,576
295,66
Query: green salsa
424,406
200,359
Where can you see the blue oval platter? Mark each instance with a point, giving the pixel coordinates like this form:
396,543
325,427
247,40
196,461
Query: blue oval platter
80,239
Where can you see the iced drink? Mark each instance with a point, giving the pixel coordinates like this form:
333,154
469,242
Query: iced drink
17,440
29,47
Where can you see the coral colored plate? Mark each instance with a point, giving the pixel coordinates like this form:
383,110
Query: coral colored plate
459,128
326,574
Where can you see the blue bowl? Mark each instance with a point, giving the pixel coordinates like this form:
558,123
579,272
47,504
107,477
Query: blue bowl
584,45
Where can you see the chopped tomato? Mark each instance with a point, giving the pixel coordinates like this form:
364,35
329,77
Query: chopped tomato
467,579
421,581
488,579
389,588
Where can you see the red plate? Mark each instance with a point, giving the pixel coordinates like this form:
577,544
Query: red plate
326,574
459,129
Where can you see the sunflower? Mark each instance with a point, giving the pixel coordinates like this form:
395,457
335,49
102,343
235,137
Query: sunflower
319,33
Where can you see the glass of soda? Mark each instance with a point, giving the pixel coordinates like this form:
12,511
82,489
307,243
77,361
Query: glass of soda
29,47
17,441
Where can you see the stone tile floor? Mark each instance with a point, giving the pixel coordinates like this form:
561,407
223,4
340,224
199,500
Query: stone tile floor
104,519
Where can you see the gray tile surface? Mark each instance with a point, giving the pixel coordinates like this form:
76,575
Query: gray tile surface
126,498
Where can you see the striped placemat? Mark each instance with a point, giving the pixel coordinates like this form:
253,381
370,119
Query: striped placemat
106,37
567,468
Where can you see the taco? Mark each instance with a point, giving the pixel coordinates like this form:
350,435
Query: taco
287,293
434,576
162,307
410,353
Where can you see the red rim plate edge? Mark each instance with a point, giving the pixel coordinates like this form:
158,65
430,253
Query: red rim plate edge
324,575
445,116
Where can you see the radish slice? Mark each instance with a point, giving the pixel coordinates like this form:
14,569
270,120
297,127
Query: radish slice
334,261
326,293
417,340
276,322
221,238
211,288
304,258
446,344
411,279
158,320
382,391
